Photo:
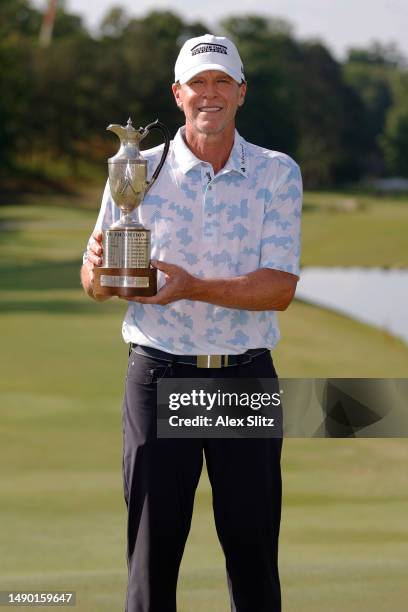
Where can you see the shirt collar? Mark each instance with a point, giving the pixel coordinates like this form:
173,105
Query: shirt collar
238,159
186,160
184,157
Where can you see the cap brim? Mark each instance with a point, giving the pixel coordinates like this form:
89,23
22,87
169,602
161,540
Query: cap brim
189,74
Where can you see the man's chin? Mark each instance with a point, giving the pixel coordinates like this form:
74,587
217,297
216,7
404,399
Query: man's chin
210,129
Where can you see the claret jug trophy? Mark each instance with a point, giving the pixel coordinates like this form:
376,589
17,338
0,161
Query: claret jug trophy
126,269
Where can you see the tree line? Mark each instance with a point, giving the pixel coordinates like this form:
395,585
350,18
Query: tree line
342,121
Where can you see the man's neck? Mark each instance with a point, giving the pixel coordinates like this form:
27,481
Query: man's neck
212,148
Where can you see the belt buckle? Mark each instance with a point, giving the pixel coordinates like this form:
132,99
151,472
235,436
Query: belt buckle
210,361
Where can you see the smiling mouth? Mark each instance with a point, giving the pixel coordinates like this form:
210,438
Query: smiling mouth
209,109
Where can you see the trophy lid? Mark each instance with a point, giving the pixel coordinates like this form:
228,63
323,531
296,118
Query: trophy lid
130,139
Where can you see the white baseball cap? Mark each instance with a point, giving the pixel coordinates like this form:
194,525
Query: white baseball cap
208,52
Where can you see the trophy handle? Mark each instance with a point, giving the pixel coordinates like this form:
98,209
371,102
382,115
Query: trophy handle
157,125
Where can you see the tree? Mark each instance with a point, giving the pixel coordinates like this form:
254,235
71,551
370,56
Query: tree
328,115
378,54
394,142
19,23
369,73
114,22
18,19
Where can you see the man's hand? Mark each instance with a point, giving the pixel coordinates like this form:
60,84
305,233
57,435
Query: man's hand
94,252
94,260
179,285
263,289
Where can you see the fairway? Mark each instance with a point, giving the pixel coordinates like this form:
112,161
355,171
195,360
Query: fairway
344,538
341,229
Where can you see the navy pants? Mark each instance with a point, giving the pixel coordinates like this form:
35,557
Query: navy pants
160,478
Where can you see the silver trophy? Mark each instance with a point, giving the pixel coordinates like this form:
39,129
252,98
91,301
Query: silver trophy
126,269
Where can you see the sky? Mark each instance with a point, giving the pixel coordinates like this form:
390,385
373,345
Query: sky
340,24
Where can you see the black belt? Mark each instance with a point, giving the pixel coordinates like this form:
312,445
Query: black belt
199,361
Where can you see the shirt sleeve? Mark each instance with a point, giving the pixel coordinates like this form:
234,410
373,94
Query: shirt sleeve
281,233
108,214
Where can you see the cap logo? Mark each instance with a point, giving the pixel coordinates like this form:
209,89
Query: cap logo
209,48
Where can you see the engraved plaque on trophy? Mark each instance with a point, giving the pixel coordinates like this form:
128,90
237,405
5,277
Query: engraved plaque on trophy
126,269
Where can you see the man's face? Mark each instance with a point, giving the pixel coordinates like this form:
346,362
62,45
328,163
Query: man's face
209,101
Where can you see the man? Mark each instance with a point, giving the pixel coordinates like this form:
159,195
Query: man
225,217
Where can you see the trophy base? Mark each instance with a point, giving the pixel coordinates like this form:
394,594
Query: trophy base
125,282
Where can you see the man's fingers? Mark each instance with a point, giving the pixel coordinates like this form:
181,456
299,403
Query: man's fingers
94,258
161,297
141,299
95,243
96,249
163,266
95,246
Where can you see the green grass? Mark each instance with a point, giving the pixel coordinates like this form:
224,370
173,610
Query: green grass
354,230
319,343
344,538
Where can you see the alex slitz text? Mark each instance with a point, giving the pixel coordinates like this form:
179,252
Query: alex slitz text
221,421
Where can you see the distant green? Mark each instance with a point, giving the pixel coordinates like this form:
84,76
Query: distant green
354,229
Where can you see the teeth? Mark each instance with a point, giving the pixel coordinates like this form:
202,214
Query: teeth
210,109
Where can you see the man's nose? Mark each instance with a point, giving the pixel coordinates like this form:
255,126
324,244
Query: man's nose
210,90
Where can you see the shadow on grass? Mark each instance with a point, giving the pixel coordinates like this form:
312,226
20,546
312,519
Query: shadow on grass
36,279
41,276
50,306
306,207
20,183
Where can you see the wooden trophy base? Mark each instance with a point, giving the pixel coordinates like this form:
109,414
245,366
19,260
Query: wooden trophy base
125,282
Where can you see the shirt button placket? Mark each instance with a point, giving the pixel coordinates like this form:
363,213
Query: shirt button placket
210,232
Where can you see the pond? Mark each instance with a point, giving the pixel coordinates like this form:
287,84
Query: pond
372,295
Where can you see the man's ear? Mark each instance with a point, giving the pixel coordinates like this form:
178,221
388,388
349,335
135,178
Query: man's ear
176,93
242,93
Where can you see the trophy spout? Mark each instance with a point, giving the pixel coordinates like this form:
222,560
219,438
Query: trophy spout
117,129
129,140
